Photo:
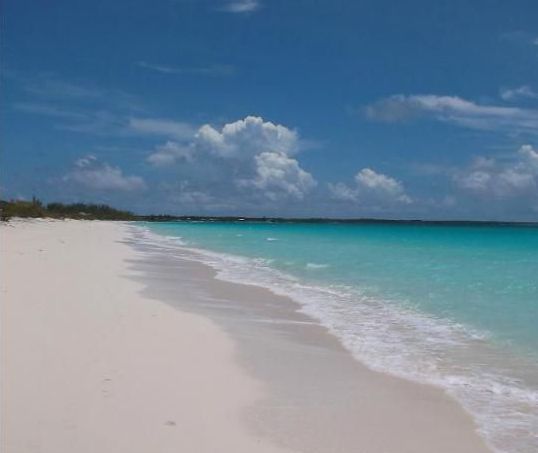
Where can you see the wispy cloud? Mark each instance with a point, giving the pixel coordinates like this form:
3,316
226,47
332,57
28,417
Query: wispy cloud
213,70
240,6
105,122
48,110
50,88
520,37
68,118
99,123
93,174
78,107
515,94
161,127
456,110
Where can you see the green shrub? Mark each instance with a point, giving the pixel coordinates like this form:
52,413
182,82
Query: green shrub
35,208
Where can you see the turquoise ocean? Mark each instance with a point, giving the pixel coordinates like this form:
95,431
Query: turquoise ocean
453,306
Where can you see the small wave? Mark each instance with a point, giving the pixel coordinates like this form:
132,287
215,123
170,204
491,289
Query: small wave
271,239
316,266
391,338
177,239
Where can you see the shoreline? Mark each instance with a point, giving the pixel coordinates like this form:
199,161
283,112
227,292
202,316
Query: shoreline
492,383
268,327
286,383
89,365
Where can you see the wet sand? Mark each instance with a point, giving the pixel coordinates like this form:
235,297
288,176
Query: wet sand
114,344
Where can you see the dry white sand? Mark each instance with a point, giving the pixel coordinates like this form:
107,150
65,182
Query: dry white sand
90,363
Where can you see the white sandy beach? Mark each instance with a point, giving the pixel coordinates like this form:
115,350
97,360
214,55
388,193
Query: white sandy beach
91,363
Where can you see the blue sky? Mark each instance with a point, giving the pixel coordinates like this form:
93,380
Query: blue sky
413,109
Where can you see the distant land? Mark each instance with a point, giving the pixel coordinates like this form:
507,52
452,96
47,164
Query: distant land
89,211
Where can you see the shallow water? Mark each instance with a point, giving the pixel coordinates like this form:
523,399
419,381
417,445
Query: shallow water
455,306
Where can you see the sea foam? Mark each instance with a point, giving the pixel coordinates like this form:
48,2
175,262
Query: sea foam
390,338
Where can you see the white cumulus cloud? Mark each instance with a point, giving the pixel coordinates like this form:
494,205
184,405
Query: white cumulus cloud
239,162
371,187
515,176
245,137
277,174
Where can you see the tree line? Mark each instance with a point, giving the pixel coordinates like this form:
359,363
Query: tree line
37,209
90,211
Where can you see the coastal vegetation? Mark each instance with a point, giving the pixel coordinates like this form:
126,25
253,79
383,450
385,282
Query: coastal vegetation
37,209
91,211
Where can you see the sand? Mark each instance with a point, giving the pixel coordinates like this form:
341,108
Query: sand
112,346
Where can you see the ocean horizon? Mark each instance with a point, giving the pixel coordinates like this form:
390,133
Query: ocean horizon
454,306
